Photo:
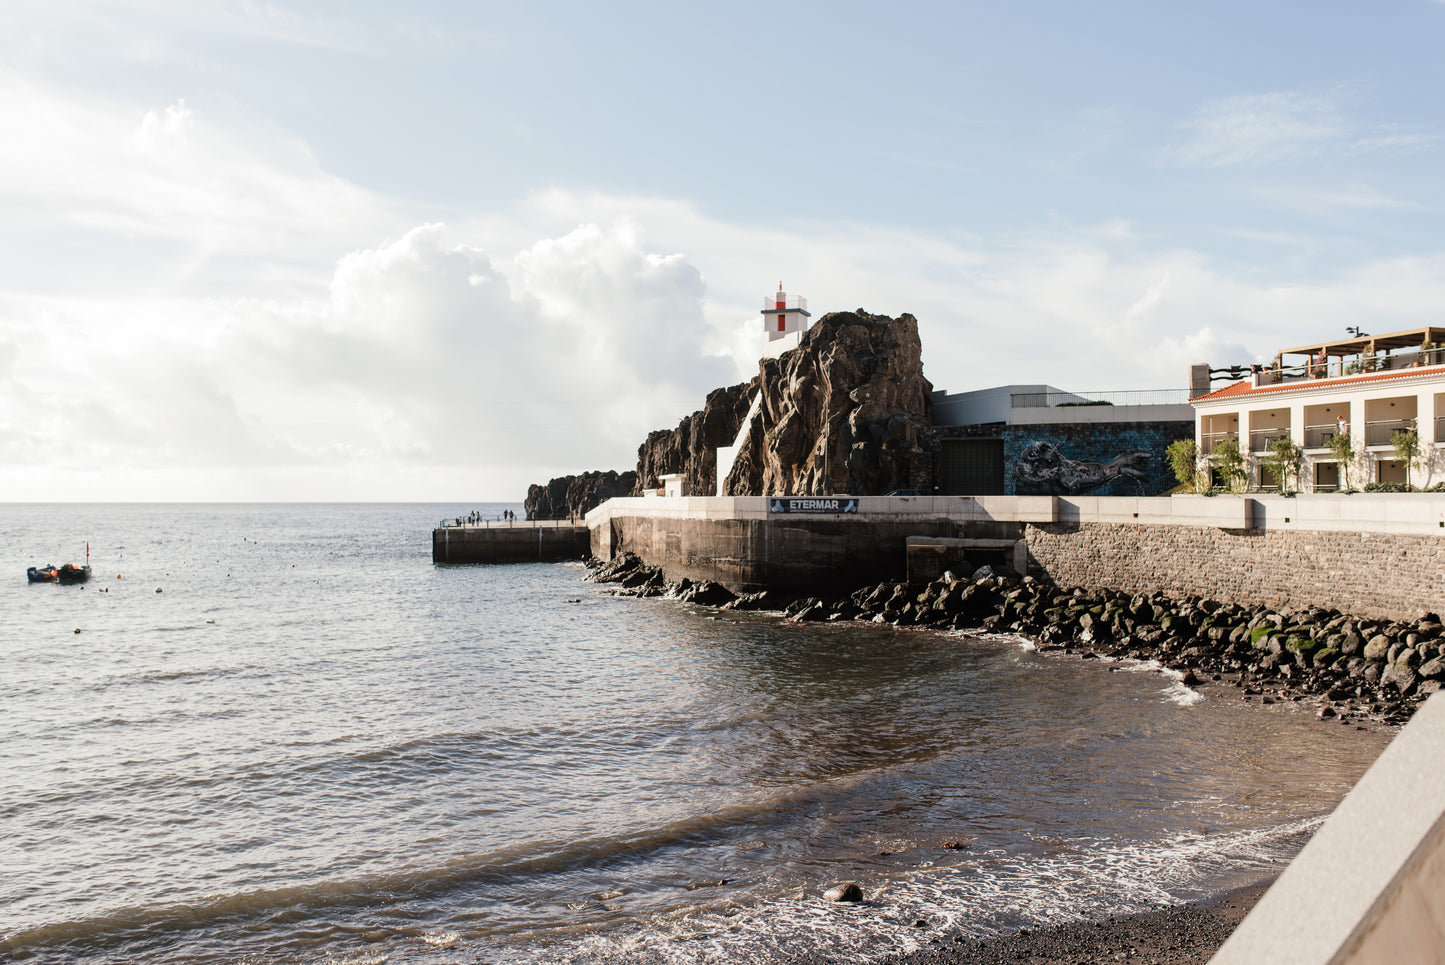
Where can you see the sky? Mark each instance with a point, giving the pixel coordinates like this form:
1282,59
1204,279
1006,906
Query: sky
442,250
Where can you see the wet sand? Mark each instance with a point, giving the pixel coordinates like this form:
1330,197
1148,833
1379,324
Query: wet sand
1182,935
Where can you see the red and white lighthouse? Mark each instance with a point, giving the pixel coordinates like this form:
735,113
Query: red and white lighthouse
785,318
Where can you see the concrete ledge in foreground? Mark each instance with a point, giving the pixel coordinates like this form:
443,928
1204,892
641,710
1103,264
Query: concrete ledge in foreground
1369,888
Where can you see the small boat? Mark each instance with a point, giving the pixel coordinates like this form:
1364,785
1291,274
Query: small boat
70,573
42,574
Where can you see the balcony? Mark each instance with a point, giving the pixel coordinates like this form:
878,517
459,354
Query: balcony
1339,368
1319,437
1379,433
1209,440
1261,439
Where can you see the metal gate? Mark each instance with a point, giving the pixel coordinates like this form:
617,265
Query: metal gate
971,467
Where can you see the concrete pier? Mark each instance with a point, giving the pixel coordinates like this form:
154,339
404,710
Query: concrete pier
520,541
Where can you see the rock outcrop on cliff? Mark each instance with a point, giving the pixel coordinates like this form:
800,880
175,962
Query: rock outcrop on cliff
847,411
692,447
568,496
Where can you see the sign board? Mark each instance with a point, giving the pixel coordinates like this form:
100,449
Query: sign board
812,504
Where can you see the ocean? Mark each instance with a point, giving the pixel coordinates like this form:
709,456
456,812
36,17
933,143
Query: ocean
280,734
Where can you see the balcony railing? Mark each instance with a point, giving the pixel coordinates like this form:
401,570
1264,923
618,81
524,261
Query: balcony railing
1048,400
1379,433
1260,439
1359,365
1319,437
1209,440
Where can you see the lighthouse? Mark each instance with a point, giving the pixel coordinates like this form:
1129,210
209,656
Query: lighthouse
785,319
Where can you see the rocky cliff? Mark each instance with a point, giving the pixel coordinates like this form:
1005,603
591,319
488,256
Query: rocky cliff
568,496
847,411
692,447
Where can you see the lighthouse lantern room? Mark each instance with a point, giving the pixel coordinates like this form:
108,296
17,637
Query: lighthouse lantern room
785,319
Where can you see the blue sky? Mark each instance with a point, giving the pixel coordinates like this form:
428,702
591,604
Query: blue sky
359,251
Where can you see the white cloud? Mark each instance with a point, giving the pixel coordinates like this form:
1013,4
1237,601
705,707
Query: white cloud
1258,128
289,334
1283,126
171,177
423,361
446,364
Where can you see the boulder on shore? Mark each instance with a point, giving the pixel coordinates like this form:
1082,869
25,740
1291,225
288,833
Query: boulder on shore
847,891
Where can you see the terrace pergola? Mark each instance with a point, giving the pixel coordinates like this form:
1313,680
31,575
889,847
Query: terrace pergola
1363,347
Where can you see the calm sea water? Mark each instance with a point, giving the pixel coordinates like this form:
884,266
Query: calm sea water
282,735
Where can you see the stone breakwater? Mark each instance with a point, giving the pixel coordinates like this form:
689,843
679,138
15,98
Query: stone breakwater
1357,668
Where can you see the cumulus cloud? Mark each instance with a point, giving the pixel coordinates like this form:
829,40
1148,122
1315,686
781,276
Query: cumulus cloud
288,334
443,364
424,359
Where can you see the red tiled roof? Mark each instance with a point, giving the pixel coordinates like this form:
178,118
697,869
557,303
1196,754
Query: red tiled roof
1245,389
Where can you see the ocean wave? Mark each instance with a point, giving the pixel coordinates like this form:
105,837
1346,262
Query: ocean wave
978,896
523,861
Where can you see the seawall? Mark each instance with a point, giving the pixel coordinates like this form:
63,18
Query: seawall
519,542
1379,555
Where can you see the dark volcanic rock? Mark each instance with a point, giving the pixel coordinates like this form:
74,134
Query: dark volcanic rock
691,448
568,496
847,411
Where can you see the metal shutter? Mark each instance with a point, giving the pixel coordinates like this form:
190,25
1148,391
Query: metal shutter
971,467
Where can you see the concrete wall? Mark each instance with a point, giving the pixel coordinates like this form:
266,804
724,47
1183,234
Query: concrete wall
981,405
1372,555
521,543
1369,888
736,541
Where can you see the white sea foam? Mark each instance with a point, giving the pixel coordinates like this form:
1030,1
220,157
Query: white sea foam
981,895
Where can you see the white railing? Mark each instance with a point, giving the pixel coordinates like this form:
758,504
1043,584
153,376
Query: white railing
1049,400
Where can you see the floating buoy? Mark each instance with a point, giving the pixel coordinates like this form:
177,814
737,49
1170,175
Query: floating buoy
158,589
77,629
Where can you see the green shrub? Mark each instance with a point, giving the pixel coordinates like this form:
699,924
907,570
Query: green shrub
1183,458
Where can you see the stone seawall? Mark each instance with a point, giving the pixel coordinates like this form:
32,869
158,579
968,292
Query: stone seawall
1368,555
798,553
1371,574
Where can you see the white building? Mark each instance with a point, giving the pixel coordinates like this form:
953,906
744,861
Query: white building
785,319
1369,387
